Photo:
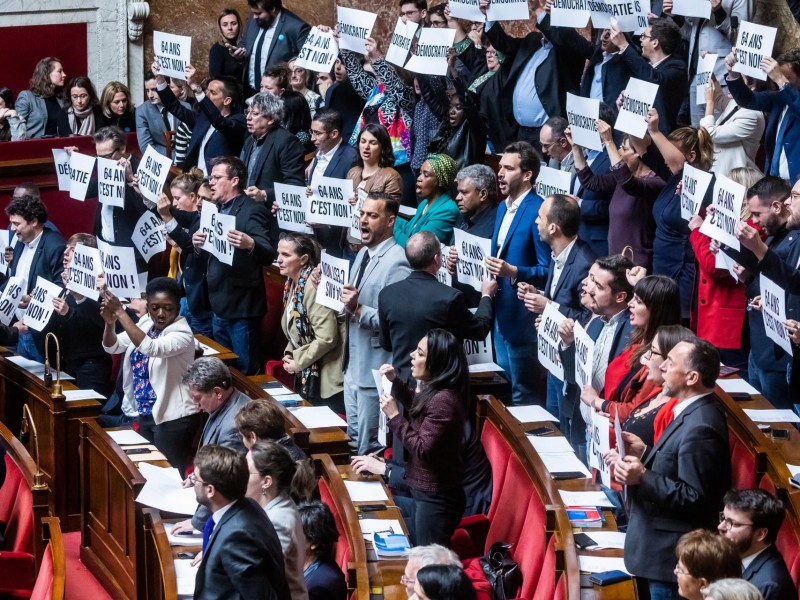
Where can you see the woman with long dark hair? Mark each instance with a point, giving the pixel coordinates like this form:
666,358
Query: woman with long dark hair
40,105
82,114
431,430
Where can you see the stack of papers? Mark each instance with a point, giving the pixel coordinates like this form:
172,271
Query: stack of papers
530,414
772,415
83,395
366,491
390,545
207,350
276,388
556,444
565,462
315,417
737,385
584,516
607,539
127,437
36,368
186,575
601,564
585,499
370,526
192,538
485,368
164,490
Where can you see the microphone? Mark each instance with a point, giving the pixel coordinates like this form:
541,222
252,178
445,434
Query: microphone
27,427
48,374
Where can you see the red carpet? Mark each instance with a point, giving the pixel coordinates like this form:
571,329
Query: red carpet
81,584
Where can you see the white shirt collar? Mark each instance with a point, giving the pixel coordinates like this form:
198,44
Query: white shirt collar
376,249
35,242
513,205
682,406
561,259
218,514
329,154
654,65
747,560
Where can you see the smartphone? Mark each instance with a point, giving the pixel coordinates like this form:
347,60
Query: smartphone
130,451
740,396
540,431
583,541
559,475
725,370
782,434
371,507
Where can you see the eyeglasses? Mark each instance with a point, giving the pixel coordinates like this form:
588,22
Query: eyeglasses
407,581
408,13
438,23
650,352
108,156
679,570
730,523
318,133
194,479
217,177
644,36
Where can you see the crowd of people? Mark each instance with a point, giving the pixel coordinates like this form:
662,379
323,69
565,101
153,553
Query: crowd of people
664,304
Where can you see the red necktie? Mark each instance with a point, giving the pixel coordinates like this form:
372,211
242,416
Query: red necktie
664,417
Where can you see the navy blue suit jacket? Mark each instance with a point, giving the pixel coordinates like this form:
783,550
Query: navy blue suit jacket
287,40
326,582
47,260
525,250
570,284
615,76
593,228
329,237
769,574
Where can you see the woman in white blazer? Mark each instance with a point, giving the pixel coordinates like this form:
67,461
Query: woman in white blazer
736,133
158,351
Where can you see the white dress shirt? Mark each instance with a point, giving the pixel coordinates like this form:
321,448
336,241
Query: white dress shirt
511,209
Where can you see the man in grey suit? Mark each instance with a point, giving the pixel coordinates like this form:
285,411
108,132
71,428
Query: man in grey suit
380,261
153,119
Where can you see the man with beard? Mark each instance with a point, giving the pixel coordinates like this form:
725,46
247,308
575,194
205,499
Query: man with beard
751,521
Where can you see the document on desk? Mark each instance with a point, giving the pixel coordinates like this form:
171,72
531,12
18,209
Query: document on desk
530,414
276,388
193,538
737,385
83,395
366,491
772,415
207,350
601,564
564,463
485,368
36,368
164,491
370,526
596,498
556,444
606,539
314,417
127,437
186,575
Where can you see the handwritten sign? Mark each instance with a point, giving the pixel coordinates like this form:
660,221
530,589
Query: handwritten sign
584,356
9,301
705,68
3,246
553,181
694,188
329,205
753,44
110,182
355,26
472,250
582,114
692,8
625,14
83,270
292,203
319,51
599,444
80,173
569,13
637,99
728,199
469,10
172,52
773,305
430,57
152,173
335,274
549,340
149,236
221,248
61,161
508,10
119,267
40,308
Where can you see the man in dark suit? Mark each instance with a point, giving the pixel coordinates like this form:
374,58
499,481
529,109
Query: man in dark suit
153,119
751,520
242,555
342,97
658,63
678,484
236,292
334,158
404,323
217,108
273,35
606,74
38,253
270,154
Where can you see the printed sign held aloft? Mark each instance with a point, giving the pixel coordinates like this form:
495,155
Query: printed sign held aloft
727,203
430,57
355,26
329,205
705,69
149,236
319,51
637,100
773,309
221,225
354,233
582,114
753,44
553,181
3,246
80,173
694,188
173,52
625,14
119,268
335,274
292,202
110,182
40,308
400,44
570,13
508,10
692,8
61,160
152,174
472,251
599,444
549,340
584,356
469,10
83,271
9,301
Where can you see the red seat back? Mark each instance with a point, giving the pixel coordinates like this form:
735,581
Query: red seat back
342,547
743,464
19,527
787,541
43,590
8,492
516,492
530,549
546,586
498,452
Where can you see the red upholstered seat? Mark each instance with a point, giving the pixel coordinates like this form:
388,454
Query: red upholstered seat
529,552
17,562
787,541
546,586
275,368
743,464
561,588
8,492
342,547
43,590
515,493
498,452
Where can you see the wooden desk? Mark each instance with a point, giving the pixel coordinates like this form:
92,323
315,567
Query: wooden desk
229,357
58,422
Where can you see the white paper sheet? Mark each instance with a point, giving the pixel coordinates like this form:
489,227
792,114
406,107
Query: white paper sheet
530,414
737,385
163,490
370,526
36,368
314,417
607,539
195,538
127,437
600,564
564,463
366,491
485,368
186,576
276,388
773,415
83,395
550,445
596,498
208,350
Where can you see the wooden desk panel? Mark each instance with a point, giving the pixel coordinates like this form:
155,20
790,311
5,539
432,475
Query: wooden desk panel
229,357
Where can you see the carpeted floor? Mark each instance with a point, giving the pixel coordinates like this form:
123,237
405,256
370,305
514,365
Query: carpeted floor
81,584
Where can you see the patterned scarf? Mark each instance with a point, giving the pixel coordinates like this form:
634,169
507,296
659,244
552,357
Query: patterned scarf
301,321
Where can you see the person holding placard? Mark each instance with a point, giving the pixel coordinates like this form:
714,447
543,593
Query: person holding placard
40,106
117,107
658,63
298,79
437,211
158,350
296,112
462,136
501,125
153,119
606,74
633,186
314,332
82,114
225,58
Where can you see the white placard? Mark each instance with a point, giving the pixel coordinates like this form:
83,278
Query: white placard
355,26
329,205
430,56
3,245
442,274
80,173
292,202
508,10
637,100
728,199
469,10
13,291
584,356
172,52
773,305
61,161
625,14
479,352
553,181
753,44
40,308
149,236
472,250
694,188
582,114
83,271
569,13
220,226
207,210
355,215
384,386
549,340
152,174
705,69
642,17
110,182
692,8
618,434
401,41
119,267
725,262
319,51
335,273
599,444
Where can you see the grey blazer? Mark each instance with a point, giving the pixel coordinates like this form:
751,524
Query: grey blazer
150,126
363,351
33,110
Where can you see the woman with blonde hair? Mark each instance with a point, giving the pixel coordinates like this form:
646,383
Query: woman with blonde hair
117,107
40,105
